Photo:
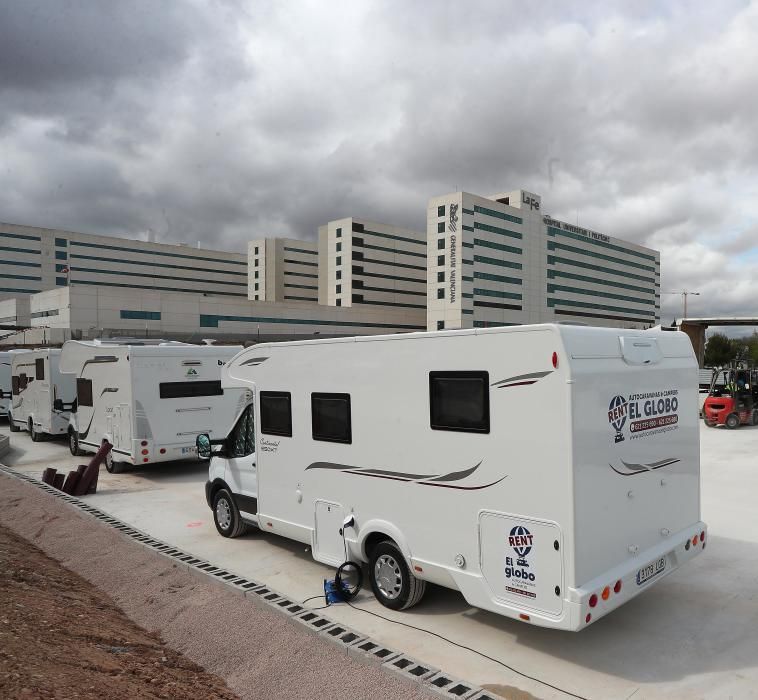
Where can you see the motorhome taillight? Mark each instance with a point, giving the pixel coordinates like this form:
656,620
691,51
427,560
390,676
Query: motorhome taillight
525,617
144,452
593,600
163,450
617,587
145,459
606,593
588,618
555,360
144,443
694,540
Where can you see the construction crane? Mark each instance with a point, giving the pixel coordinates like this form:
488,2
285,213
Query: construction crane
684,294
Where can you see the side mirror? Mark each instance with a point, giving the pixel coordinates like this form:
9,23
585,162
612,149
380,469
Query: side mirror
58,404
203,445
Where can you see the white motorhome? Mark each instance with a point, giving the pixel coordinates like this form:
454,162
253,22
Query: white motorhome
549,473
41,396
149,400
6,357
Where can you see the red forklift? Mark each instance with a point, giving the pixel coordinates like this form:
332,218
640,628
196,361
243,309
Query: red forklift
735,402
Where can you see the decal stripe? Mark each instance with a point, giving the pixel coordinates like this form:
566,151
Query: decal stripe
531,375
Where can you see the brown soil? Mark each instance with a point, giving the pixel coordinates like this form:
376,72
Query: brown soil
60,637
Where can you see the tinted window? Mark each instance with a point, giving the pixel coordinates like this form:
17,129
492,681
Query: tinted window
184,390
241,441
276,413
459,401
14,386
330,417
39,368
22,382
84,392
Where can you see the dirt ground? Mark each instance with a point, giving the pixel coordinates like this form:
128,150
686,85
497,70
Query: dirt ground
60,637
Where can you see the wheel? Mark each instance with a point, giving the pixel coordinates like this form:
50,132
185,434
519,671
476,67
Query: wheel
394,585
732,421
12,424
36,436
73,443
226,515
111,466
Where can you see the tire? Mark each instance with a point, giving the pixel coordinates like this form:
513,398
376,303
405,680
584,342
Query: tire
226,515
394,586
732,421
73,443
111,466
12,424
36,437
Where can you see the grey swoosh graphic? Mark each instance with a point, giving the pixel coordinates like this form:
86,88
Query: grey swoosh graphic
643,468
442,481
254,361
532,375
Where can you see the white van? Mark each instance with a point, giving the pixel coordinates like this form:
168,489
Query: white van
41,396
6,393
550,473
149,400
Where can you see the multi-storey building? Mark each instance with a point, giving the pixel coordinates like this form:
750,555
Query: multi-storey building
363,263
282,269
36,259
500,261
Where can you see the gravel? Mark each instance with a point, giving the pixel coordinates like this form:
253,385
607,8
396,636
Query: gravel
259,652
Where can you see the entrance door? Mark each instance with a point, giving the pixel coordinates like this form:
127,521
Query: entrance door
328,546
124,421
241,468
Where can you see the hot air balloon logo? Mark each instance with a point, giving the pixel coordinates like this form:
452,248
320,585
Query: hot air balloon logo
617,412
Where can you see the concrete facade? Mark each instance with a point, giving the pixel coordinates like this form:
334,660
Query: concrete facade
282,269
364,263
15,311
84,312
499,260
37,259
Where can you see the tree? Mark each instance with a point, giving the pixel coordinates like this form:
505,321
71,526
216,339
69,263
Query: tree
720,350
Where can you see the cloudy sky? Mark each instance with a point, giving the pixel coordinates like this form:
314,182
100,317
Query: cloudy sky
221,121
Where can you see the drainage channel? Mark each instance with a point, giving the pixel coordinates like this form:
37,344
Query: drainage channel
355,643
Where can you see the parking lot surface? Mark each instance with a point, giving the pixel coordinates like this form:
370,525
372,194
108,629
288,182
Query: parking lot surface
693,635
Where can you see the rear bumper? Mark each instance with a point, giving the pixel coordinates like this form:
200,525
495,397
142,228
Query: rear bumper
676,550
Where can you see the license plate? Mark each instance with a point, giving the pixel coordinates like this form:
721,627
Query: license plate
189,450
652,569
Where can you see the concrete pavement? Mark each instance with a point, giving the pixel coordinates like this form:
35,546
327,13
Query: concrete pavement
694,634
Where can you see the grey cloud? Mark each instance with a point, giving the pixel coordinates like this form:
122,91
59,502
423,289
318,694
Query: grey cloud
224,121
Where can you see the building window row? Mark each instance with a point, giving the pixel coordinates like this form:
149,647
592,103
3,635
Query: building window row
552,274
552,231
11,249
357,255
497,214
555,260
494,261
598,307
498,246
497,305
498,230
149,263
20,236
296,250
552,288
201,260
494,278
300,262
97,271
358,243
141,315
495,293
554,245
393,237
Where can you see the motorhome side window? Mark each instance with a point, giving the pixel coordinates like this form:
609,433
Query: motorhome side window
276,413
39,368
22,381
14,385
459,401
84,392
242,438
330,418
184,390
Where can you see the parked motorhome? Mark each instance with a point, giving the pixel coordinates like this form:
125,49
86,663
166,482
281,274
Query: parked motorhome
149,400
41,396
549,473
6,357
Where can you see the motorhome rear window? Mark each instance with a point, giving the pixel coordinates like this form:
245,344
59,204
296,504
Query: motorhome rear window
330,417
185,390
22,382
14,386
276,413
459,401
39,368
84,392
